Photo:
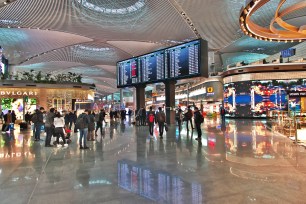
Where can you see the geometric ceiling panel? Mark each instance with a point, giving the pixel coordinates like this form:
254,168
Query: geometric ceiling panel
46,66
136,48
20,44
87,53
234,58
88,71
109,68
247,44
90,36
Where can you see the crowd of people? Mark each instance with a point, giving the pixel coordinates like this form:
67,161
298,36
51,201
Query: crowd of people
88,123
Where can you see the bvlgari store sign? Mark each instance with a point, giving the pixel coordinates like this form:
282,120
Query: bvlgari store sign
18,93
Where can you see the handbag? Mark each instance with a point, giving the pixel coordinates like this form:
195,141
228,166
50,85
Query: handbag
166,127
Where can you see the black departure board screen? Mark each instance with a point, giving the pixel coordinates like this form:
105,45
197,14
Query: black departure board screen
128,73
178,62
184,60
152,66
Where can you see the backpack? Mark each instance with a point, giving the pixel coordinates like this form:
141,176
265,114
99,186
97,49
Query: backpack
80,123
151,117
34,118
201,118
161,117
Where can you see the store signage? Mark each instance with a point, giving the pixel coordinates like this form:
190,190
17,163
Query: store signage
210,89
297,94
18,93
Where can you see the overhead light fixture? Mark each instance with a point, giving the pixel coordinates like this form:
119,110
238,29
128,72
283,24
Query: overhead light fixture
287,33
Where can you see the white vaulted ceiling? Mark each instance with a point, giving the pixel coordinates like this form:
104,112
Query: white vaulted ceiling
90,36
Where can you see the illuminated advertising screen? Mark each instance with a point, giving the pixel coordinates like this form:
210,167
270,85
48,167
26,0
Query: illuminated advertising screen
255,98
128,73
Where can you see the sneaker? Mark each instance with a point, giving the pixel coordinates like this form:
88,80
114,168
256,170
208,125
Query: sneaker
161,137
81,147
198,138
86,147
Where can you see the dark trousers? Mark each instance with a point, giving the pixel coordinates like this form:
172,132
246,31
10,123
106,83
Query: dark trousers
187,121
49,131
161,126
151,128
223,117
143,120
198,127
59,132
99,125
179,122
37,128
70,124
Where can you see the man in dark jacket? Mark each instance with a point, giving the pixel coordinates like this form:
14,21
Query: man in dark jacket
160,119
198,120
38,120
143,116
49,126
83,129
188,118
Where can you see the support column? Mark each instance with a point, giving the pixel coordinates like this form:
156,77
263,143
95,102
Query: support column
187,94
170,101
140,97
121,99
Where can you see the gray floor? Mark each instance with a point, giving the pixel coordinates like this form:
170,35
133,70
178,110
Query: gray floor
239,162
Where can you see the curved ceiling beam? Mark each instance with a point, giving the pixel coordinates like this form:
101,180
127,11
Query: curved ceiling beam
291,32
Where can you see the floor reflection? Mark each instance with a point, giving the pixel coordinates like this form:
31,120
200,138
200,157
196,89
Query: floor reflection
238,161
157,185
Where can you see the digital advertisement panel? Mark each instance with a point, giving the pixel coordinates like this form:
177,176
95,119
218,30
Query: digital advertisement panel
255,98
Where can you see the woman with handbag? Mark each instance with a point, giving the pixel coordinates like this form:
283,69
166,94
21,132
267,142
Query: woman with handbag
59,124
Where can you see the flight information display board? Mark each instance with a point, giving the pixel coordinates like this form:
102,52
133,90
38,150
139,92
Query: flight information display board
184,60
128,72
178,62
152,66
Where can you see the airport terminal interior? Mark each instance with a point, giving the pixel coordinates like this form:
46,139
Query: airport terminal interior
152,101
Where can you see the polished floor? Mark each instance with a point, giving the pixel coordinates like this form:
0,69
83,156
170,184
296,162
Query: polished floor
240,161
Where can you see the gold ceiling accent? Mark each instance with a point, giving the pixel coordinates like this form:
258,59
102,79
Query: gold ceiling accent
288,33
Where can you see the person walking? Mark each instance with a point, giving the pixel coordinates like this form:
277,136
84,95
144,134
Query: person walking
160,119
71,119
143,116
198,120
49,126
101,118
14,117
82,124
27,118
38,119
179,118
91,126
222,113
188,117
7,120
151,120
